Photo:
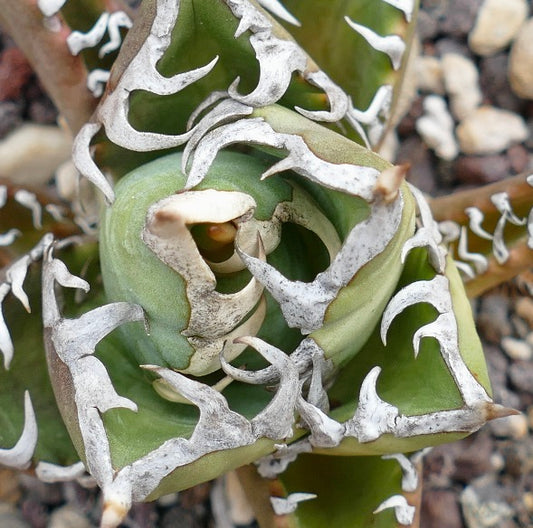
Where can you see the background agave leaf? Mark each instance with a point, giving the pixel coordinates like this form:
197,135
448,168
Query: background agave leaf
214,36
28,371
348,490
505,253
344,54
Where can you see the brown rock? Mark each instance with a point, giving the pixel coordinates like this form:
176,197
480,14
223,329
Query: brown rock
15,72
440,509
477,170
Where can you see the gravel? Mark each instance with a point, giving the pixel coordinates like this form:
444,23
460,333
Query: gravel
483,481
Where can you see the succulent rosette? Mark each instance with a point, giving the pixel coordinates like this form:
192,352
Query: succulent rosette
260,285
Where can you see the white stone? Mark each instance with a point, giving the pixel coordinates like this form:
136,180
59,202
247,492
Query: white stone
521,62
31,154
67,517
489,130
497,23
461,82
514,426
428,74
517,349
436,128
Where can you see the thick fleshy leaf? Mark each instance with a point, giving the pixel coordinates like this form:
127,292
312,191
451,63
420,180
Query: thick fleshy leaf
28,372
349,491
363,46
403,380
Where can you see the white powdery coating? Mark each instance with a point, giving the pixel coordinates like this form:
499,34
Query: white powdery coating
14,278
403,511
96,81
47,472
117,20
378,108
273,465
502,203
479,261
392,45
20,455
436,292
284,506
29,200
50,7
427,235
278,59
278,9
78,41
7,238
407,6
409,472
73,341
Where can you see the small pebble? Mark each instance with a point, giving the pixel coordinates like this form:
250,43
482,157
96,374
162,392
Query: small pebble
524,309
166,501
68,517
9,518
521,376
427,27
15,71
495,85
527,499
10,116
483,505
518,157
493,317
520,61
459,16
517,349
461,81
497,462
489,130
479,170
429,75
514,427
32,153
472,457
440,507
436,128
530,416
496,25
421,173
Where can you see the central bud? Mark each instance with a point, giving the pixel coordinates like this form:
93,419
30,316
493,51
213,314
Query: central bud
181,254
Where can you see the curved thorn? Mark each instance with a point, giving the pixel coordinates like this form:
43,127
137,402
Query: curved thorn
277,8
20,455
409,472
284,506
403,511
277,418
81,155
420,291
392,45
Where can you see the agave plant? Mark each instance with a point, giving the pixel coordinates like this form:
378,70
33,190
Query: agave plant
249,281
